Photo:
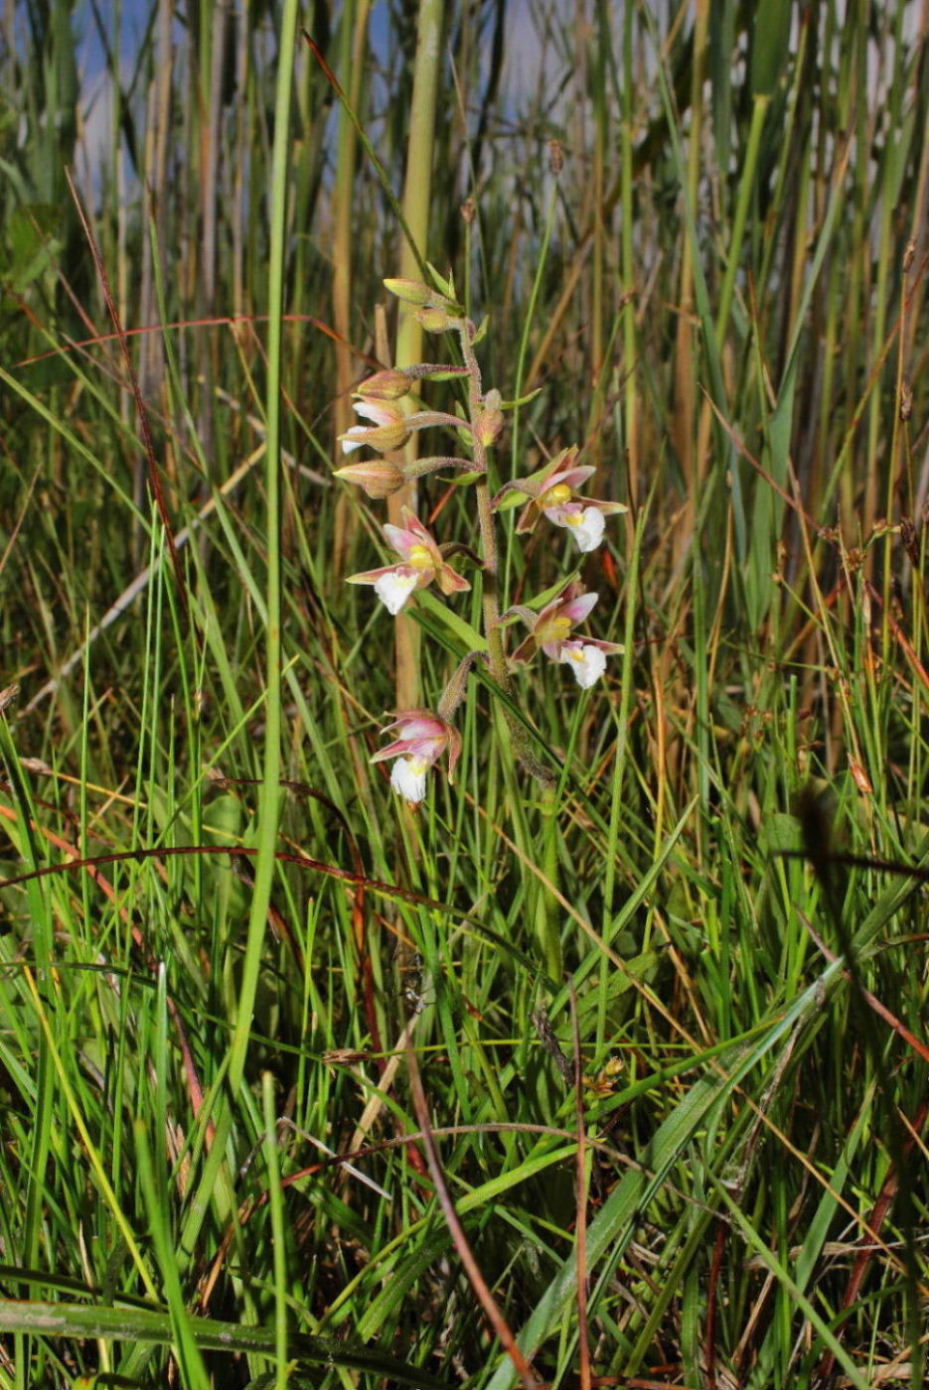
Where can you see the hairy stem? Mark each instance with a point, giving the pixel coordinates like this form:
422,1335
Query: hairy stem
491,559
491,596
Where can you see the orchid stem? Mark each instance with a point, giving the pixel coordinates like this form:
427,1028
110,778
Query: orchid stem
491,598
491,571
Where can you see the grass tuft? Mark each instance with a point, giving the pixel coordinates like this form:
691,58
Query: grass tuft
618,1079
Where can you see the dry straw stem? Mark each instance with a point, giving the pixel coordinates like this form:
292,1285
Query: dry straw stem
465,1253
420,154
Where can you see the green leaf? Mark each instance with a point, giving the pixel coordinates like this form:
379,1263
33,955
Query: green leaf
770,46
510,499
522,400
469,637
481,331
84,1322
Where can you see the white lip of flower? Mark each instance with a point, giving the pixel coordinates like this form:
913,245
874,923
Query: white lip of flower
394,589
349,444
408,777
587,528
588,663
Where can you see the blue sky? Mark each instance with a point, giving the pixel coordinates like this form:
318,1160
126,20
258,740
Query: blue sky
126,25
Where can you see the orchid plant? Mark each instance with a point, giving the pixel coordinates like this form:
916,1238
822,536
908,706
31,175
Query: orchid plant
424,736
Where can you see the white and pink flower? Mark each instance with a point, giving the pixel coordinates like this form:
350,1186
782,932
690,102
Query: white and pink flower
550,632
424,738
552,493
421,562
391,427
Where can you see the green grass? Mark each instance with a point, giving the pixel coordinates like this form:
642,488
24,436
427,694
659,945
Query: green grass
222,935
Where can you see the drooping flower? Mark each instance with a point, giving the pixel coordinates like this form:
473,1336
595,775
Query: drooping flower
389,430
421,562
552,493
550,631
424,737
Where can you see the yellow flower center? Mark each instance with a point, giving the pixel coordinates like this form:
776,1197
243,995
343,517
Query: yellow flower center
557,495
555,630
419,558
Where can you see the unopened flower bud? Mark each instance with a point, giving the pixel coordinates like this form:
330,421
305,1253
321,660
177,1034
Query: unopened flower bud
435,311
378,477
388,385
434,318
489,425
411,291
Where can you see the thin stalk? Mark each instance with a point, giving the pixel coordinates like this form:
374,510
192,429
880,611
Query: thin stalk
278,1231
416,204
354,29
269,810
746,190
686,388
193,1371
529,317
490,592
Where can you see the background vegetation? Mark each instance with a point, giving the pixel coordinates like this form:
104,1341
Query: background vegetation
650,1045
